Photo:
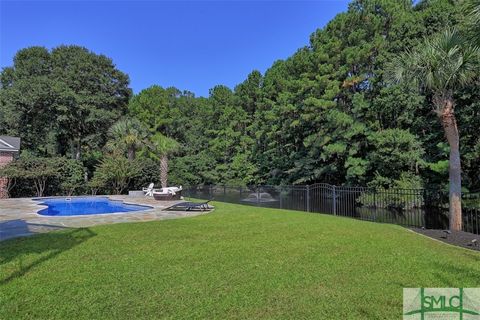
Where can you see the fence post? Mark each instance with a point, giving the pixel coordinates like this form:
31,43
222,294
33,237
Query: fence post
334,196
280,196
308,198
258,195
425,206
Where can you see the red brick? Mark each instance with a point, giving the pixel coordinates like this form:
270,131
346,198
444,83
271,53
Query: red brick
5,158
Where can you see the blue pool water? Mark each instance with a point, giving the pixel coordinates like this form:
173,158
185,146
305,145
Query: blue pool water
85,206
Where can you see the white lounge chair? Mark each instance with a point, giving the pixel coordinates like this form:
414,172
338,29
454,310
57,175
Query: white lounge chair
170,193
173,190
149,191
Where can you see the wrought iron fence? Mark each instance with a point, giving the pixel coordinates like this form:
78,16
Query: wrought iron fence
407,207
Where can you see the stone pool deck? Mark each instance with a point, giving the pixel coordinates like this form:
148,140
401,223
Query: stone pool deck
18,217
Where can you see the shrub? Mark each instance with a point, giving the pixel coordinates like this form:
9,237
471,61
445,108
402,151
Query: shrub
149,172
396,194
71,176
115,172
39,175
36,170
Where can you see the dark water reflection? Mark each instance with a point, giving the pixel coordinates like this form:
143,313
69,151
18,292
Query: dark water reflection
408,210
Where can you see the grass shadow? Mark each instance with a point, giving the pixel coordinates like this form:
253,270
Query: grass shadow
10,229
46,246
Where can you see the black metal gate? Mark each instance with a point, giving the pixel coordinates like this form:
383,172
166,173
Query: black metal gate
407,207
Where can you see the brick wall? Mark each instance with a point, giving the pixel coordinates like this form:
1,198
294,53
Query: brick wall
5,158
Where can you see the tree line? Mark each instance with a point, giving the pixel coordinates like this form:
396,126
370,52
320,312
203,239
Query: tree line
340,110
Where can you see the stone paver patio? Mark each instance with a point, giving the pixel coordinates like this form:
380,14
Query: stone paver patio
18,217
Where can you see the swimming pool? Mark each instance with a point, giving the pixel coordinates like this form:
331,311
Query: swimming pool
85,206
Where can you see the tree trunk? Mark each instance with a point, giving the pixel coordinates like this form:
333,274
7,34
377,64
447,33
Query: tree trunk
78,150
449,123
131,154
164,170
40,185
11,182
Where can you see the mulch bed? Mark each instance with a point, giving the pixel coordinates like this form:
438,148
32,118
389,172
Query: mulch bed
457,238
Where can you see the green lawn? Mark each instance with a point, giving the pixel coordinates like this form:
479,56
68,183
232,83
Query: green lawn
237,262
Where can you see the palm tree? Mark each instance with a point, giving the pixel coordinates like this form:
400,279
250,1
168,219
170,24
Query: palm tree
473,19
476,10
442,65
162,147
127,135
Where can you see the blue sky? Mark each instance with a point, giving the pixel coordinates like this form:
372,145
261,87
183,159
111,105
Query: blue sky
192,45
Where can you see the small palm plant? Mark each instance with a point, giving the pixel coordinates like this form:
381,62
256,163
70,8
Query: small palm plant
162,147
473,18
127,135
442,65
474,10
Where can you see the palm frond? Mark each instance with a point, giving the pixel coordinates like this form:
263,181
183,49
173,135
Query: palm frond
473,10
127,133
443,63
472,19
163,145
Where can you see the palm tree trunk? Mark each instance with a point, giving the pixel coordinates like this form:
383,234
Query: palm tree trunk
131,154
78,150
164,170
450,128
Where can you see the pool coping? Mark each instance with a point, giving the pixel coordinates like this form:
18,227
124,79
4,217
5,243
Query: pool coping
19,216
93,214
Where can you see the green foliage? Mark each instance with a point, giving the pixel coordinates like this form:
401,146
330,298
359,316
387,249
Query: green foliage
393,192
324,114
395,151
37,171
440,167
149,172
97,183
471,24
238,262
12,172
115,173
162,145
71,177
154,107
61,101
193,169
328,113
126,137
444,63
57,175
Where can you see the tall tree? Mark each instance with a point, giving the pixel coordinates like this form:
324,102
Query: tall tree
155,107
93,94
115,172
472,8
442,65
63,100
27,98
162,147
128,135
